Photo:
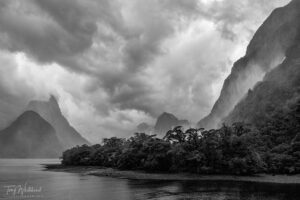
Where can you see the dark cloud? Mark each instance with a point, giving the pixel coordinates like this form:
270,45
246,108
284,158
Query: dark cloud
46,38
125,61
151,28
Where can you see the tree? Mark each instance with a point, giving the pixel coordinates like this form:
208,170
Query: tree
176,135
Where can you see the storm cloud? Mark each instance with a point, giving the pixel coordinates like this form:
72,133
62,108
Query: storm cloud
114,64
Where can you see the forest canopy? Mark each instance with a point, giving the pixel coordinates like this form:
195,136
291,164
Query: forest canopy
241,149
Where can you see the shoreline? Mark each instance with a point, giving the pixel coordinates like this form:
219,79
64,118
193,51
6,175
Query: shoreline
140,175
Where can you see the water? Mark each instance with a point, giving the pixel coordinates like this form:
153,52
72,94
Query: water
28,176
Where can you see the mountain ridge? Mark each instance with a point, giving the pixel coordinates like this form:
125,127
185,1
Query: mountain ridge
265,51
279,89
167,121
29,136
51,112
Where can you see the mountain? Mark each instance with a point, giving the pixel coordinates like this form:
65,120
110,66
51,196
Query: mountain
167,121
266,51
144,128
279,90
50,111
29,136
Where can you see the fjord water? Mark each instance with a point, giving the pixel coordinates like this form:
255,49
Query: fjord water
71,186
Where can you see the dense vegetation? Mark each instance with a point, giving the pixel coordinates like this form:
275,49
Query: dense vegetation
238,149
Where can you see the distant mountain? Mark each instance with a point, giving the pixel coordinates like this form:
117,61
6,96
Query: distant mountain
50,111
29,136
266,51
144,128
167,121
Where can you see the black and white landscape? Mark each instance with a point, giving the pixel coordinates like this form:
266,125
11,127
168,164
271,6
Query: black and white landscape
150,99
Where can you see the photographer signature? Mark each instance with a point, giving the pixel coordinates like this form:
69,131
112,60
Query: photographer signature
23,190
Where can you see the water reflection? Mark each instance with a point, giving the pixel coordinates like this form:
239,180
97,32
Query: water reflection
214,190
72,186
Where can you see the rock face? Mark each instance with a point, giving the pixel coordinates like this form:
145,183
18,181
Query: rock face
266,51
29,136
50,111
279,89
167,121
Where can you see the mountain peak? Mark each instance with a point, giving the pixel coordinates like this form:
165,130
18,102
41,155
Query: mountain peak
51,112
167,115
52,99
29,113
28,117
29,136
51,105
54,104
167,121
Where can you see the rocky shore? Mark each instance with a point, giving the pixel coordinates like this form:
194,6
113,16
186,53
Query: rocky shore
140,175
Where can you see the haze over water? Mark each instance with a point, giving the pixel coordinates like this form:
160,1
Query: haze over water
71,186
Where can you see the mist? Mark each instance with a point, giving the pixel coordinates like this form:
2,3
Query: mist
114,69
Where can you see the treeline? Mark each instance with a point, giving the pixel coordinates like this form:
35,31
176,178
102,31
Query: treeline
238,149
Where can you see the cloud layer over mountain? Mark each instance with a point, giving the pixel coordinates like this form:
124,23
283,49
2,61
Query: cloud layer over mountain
114,64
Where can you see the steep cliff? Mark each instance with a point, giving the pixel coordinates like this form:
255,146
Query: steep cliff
266,51
51,112
279,90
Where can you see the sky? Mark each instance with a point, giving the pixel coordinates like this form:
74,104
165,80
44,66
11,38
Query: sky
113,64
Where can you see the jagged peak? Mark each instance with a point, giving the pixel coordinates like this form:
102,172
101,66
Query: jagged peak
51,103
53,99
